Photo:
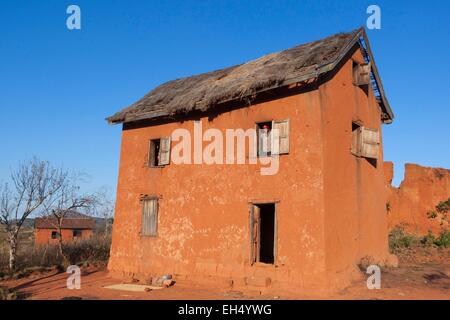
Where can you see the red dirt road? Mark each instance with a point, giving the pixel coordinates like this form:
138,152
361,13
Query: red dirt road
422,275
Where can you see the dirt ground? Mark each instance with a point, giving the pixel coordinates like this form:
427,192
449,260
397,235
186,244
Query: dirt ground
422,274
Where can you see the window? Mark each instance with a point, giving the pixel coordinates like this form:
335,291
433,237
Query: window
263,233
159,154
77,233
356,137
361,74
149,217
365,141
55,235
264,138
273,137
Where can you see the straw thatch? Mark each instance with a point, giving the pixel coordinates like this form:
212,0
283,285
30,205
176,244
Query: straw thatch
205,91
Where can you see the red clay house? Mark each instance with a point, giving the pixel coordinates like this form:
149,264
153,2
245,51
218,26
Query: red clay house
75,226
305,228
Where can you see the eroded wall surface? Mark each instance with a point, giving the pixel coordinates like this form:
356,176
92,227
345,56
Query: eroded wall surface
356,223
419,193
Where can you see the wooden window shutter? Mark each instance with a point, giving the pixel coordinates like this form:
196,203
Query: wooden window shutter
149,217
254,233
164,151
283,137
356,142
370,143
361,74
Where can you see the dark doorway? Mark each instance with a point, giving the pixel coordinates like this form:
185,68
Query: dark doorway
264,233
267,233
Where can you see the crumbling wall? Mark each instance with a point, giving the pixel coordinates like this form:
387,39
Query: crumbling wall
419,193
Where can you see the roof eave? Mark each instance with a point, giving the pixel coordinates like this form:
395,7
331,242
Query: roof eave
385,106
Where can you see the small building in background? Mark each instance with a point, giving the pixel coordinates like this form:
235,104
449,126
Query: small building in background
75,226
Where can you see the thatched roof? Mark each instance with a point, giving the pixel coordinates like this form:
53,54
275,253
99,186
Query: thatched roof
206,91
72,220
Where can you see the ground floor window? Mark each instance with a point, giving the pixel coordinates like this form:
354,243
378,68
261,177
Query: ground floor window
77,233
149,225
263,233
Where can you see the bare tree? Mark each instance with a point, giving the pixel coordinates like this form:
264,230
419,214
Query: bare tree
33,183
104,207
63,202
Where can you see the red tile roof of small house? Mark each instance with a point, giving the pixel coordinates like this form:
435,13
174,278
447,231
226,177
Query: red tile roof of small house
72,220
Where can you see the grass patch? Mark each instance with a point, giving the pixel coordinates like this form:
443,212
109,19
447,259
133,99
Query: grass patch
400,240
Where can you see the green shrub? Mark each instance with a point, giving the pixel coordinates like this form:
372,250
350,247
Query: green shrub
443,240
432,214
443,206
399,239
428,240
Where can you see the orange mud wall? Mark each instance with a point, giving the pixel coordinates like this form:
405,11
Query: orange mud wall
419,193
330,204
44,236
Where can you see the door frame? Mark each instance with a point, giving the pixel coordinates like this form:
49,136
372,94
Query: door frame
255,249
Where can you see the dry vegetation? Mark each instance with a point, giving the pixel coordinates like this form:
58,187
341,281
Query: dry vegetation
31,258
400,240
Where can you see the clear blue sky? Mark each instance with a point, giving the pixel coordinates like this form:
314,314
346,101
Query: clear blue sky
57,86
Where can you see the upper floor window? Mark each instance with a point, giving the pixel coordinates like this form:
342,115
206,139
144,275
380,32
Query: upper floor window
159,154
273,137
365,141
361,73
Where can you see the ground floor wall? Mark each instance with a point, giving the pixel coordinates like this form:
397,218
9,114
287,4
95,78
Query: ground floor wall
44,236
205,235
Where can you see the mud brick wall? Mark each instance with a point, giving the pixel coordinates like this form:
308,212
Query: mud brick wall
419,193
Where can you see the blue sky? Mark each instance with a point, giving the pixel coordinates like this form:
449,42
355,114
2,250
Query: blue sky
57,86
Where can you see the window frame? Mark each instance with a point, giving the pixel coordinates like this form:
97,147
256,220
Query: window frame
258,129
273,151
255,206
152,156
154,159
152,233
